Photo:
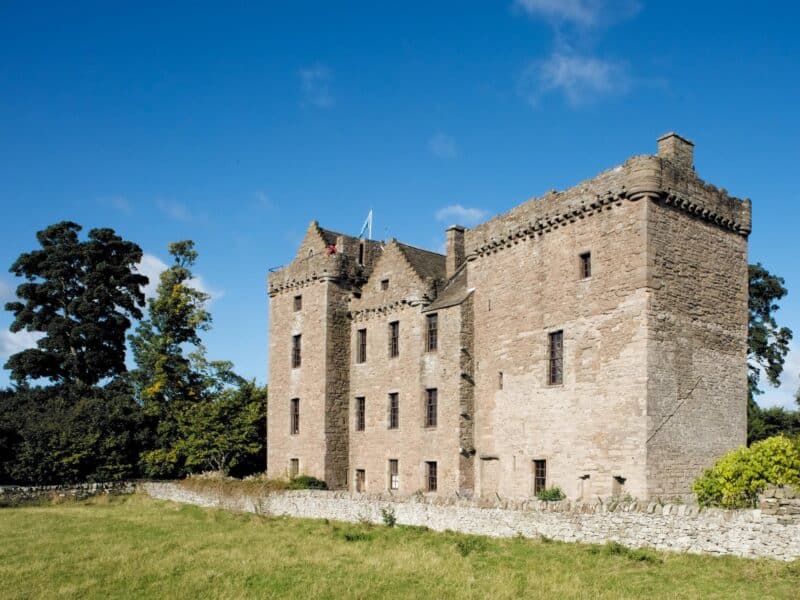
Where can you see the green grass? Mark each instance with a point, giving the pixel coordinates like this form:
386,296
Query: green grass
136,547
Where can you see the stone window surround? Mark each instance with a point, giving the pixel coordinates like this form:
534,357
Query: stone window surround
585,265
393,417
551,379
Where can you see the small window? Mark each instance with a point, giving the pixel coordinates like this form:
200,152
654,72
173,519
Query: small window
500,380
555,369
295,351
298,303
539,476
361,346
361,253
384,284
618,485
294,467
394,410
294,416
361,480
361,413
431,482
586,265
431,402
394,474
432,332
394,339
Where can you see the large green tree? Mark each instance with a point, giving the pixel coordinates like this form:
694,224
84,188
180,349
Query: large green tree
767,344
81,296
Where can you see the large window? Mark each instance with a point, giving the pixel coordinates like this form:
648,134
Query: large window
361,345
431,402
296,351
431,482
555,363
294,416
361,413
432,337
394,410
394,339
539,476
394,474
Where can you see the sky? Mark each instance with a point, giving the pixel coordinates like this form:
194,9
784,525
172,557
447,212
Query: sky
237,124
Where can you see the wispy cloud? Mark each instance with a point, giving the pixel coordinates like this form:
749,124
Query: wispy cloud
580,79
151,267
461,214
583,13
119,203
442,145
263,200
790,382
11,343
7,291
175,210
315,86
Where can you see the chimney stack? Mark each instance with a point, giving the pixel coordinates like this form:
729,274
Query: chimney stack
676,149
455,249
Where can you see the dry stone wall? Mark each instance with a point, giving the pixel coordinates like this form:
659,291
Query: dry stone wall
13,495
756,533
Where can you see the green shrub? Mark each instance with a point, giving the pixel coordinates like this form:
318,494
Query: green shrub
551,494
388,516
306,482
738,477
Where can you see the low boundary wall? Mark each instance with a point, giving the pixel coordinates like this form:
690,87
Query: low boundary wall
16,495
771,532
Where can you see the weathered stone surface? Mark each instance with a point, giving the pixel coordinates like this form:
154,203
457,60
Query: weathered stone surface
14,495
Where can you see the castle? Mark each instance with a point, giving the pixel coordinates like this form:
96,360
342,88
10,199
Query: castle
593,339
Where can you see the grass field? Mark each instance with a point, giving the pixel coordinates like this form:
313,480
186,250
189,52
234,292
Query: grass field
135,547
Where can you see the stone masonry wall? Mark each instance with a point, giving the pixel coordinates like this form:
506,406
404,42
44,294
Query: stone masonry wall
15,495
680,528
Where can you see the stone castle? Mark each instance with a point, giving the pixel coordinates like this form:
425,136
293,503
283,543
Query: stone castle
593,339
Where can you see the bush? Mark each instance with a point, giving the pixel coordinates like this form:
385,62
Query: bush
738,477
551,494
388,516
306,482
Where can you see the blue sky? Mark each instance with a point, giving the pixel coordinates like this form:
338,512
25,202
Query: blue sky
235,126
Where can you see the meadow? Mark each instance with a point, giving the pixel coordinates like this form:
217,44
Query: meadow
137,547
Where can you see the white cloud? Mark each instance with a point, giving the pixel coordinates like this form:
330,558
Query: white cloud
175,210
461,214
151,267
11,343
442,145
790,382
315,86
119,203
7,291
582,13
580,79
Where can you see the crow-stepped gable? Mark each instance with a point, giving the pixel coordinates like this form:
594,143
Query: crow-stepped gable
594,339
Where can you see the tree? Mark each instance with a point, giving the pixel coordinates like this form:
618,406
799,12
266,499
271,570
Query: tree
227,432
81,296
172,373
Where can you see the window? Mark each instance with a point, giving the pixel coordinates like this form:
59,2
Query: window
618,485
394,410
394,474
361,253
431,400
298,303
430,476
294,416
384,284
394,339
433,332
539,476
361,345
361,413
361,480
294,467
500,380
295,351
555,369
586,265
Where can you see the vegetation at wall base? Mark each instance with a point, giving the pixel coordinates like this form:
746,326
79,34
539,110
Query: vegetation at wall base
551,494
737,478
137,547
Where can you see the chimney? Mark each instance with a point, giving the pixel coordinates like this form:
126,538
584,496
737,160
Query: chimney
455,249
676,149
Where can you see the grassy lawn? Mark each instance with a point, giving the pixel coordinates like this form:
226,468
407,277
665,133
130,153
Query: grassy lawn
136,547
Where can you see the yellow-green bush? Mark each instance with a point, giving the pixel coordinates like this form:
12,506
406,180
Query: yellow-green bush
737,478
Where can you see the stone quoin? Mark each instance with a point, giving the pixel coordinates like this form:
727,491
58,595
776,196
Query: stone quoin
594,339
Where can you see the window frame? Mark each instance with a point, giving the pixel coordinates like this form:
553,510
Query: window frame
394,474
361,413
431,476
539,475
384,284
294,416
297,350
432,332
555,358
298,303
294,467
394,339
361,346
585,264
361,480
431,408
394,411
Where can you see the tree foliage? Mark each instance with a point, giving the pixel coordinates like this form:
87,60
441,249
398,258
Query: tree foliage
738,477
81,296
